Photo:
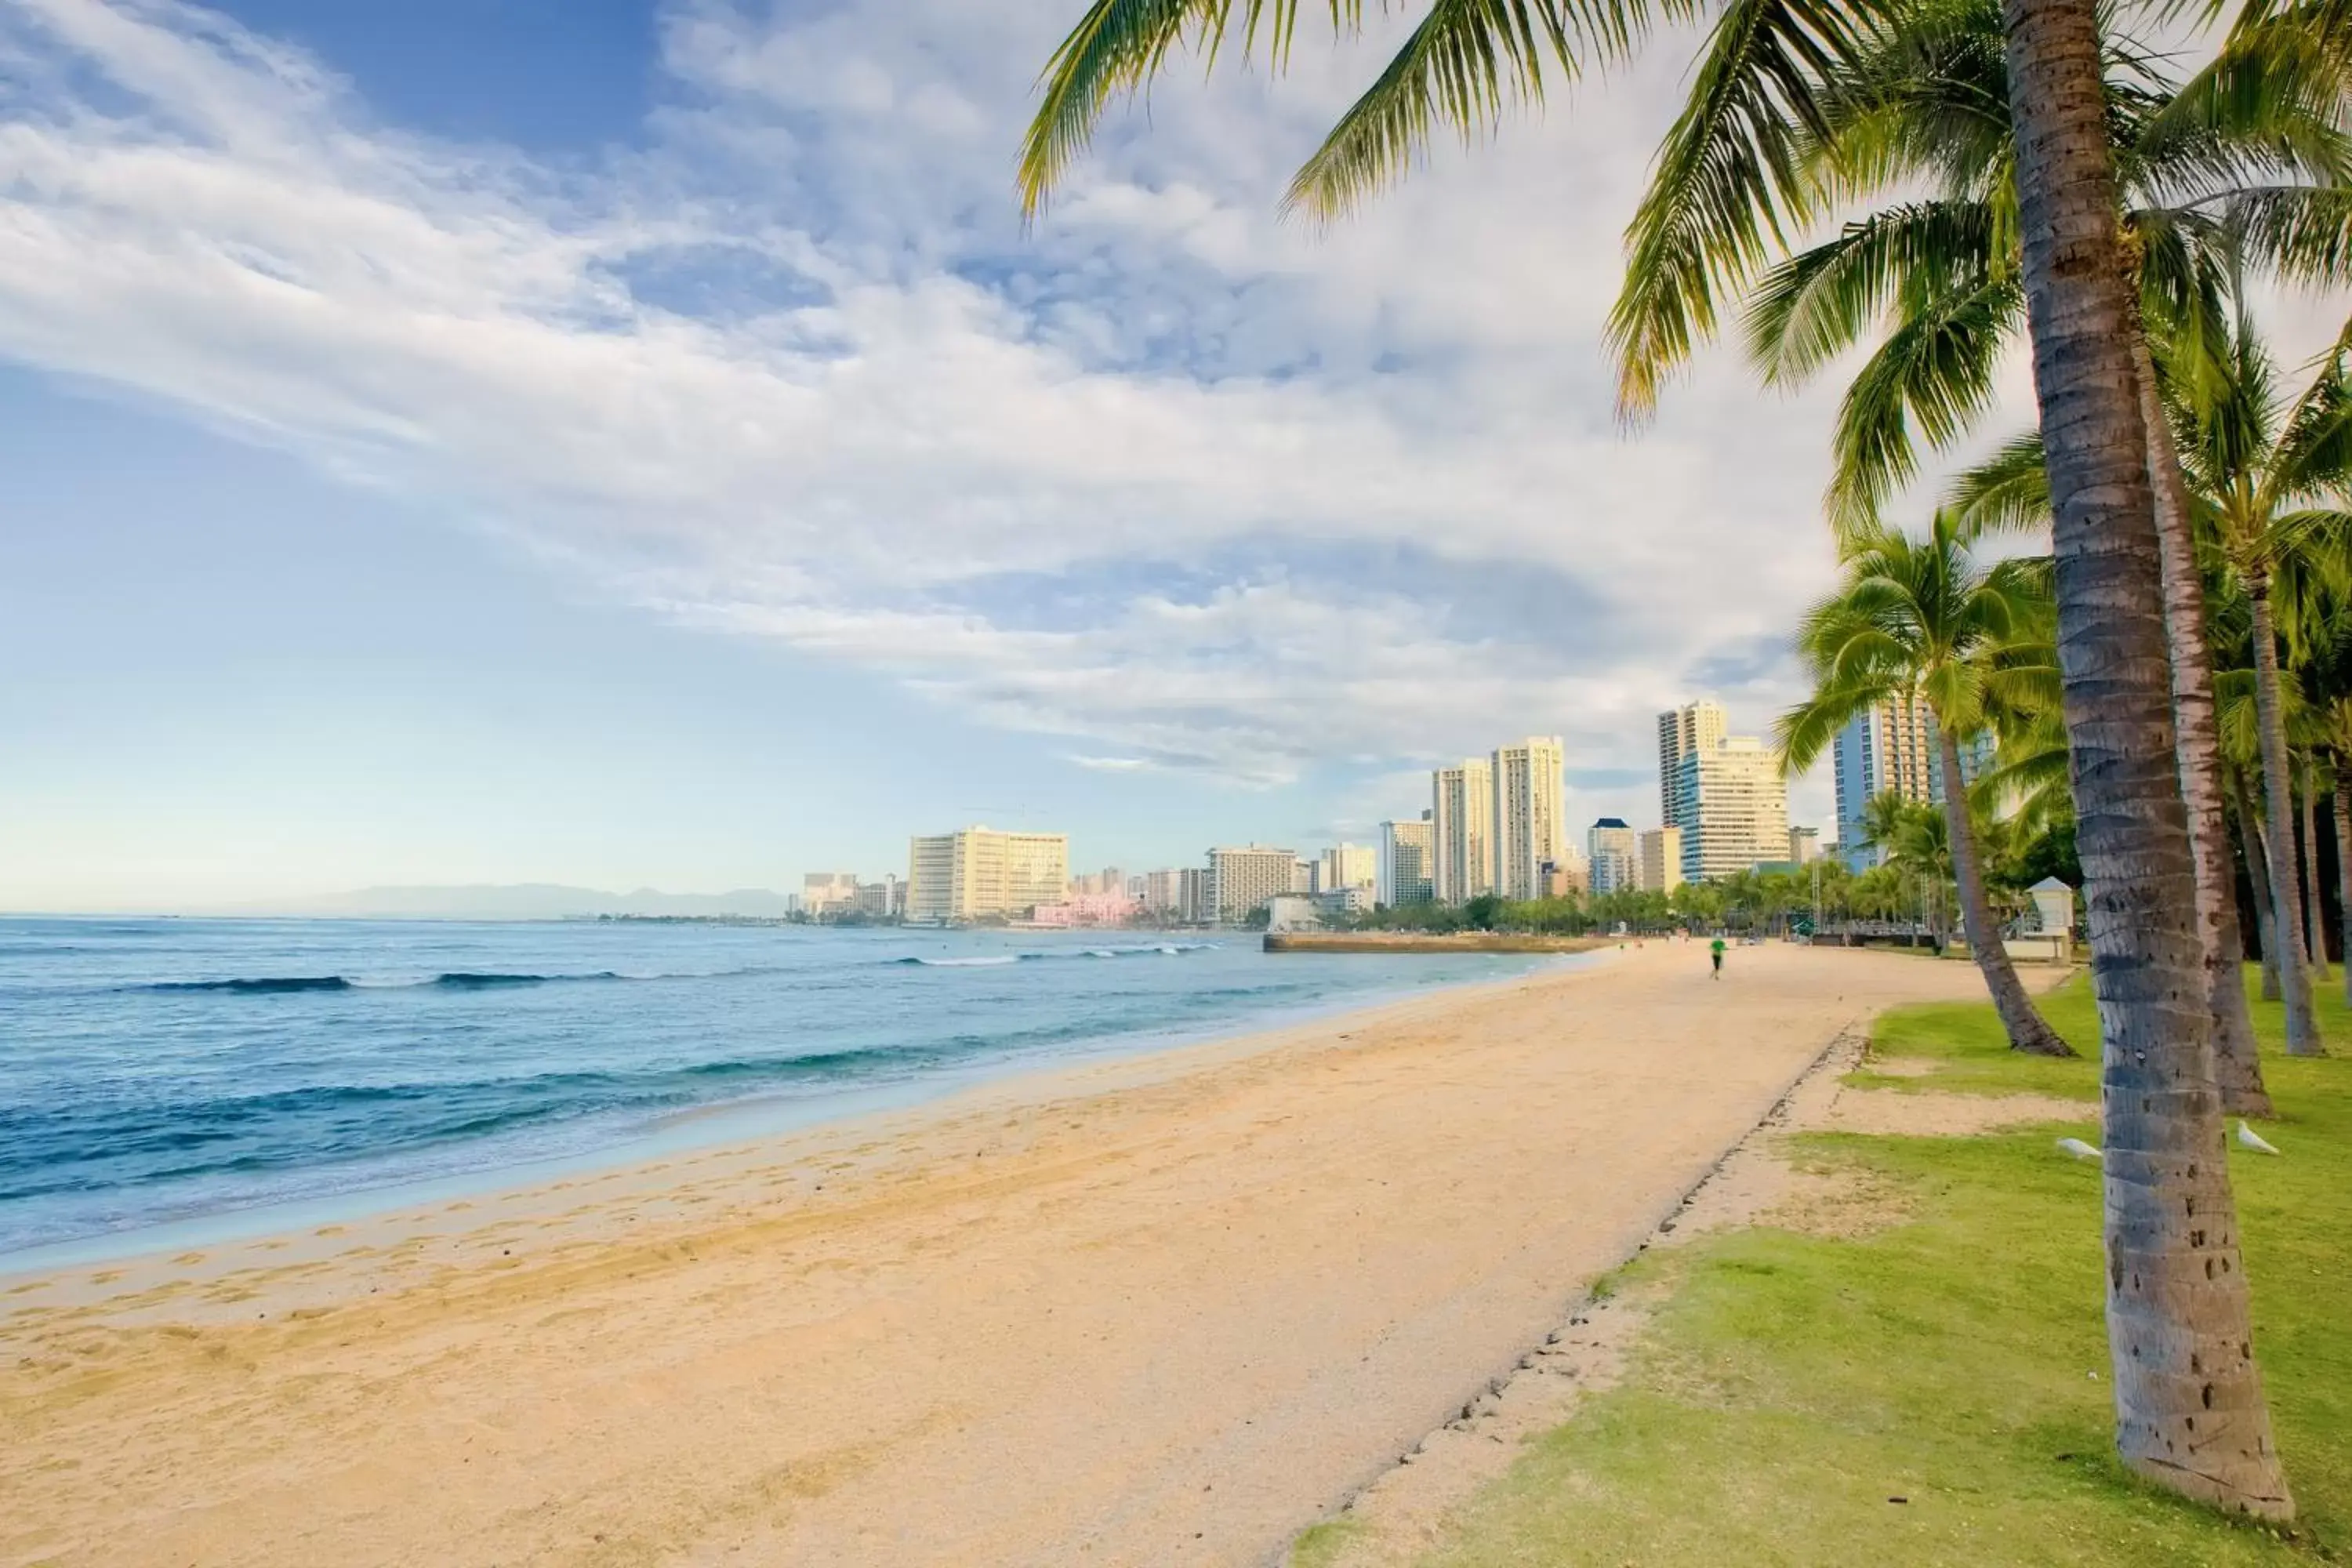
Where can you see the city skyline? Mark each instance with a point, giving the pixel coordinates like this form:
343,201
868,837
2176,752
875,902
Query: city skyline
1493,826
1520,781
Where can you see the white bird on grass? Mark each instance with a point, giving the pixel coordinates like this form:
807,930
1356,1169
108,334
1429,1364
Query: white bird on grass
2076,1147
2249,1138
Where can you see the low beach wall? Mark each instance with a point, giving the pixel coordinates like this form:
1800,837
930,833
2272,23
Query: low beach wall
1426,942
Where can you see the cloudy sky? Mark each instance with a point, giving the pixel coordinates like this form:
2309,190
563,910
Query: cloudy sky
624,442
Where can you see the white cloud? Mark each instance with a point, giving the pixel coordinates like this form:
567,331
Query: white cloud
1166,476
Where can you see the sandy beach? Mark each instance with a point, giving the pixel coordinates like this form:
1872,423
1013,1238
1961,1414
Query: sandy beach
1163,1310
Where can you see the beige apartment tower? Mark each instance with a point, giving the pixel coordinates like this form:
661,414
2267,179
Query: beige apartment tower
1462,810
1695,727
1661,859
1527,835
1348,865
1241,880
980,874
1735,808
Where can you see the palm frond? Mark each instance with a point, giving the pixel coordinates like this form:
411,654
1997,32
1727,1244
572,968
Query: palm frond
2270,106
1465,65
1118,47
1935,372
1803,733
1818,303
1732,180
2301,234
2010,490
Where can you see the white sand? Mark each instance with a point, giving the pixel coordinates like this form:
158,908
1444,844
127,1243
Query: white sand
1153,1313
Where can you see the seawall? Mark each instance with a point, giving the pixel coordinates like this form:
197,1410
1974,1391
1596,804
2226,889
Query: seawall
1428,942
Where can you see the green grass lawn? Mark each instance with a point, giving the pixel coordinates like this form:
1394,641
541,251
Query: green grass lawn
1791,1387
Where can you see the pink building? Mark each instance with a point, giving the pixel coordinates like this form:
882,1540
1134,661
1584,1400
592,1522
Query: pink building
1089,909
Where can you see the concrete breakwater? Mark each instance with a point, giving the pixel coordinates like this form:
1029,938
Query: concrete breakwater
1429,942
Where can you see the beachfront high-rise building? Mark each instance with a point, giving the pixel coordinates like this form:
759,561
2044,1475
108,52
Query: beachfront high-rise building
1735,808
1804,846
1662,860
1462,811
1345,866
1405,872
1888,749
1241,879
885,899
1172,894
1694,727
1527,814
980,874
1192,893
1892,749
823,892
1614,850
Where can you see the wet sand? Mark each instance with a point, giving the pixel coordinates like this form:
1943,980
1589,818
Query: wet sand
1164,1310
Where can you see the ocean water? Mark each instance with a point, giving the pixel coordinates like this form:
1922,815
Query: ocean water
155,1072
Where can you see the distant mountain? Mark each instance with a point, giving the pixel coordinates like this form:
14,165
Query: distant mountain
524,901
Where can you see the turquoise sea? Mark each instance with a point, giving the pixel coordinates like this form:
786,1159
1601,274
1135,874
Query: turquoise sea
158,1072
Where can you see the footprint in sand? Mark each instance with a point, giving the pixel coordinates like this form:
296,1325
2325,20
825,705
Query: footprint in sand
331,1230
107,1277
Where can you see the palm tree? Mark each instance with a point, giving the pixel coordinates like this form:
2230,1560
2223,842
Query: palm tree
2314,920
1913,843
1919,621
1877,894
2266,464
2254,462
2242,751
2328,683
2258,872
2177,1306
2224,165
2009,490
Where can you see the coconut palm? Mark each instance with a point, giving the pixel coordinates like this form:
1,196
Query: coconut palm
2328,683
2228,165
2314,920
1913,843
1917,620
2262,467
1877,894
2238,714
2009,490
2273,468
2177,1311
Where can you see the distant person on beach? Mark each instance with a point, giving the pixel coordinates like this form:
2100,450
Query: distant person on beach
1715,949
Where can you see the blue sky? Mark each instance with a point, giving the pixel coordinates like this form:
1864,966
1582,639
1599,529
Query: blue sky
627,444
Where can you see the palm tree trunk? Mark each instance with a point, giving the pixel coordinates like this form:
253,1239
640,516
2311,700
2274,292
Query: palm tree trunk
2180,1334
2314,914
2028,1030
2237,1067
2278,789
2258,871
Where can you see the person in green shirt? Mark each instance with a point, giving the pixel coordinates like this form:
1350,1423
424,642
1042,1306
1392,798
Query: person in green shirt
1715,948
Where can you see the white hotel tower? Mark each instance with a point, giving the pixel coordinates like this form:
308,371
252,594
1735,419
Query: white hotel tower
1528,837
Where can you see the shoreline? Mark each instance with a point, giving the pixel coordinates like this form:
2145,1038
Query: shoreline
1168,1309
718,1127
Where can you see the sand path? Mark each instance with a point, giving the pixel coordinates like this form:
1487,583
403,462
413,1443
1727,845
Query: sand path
1156,1314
